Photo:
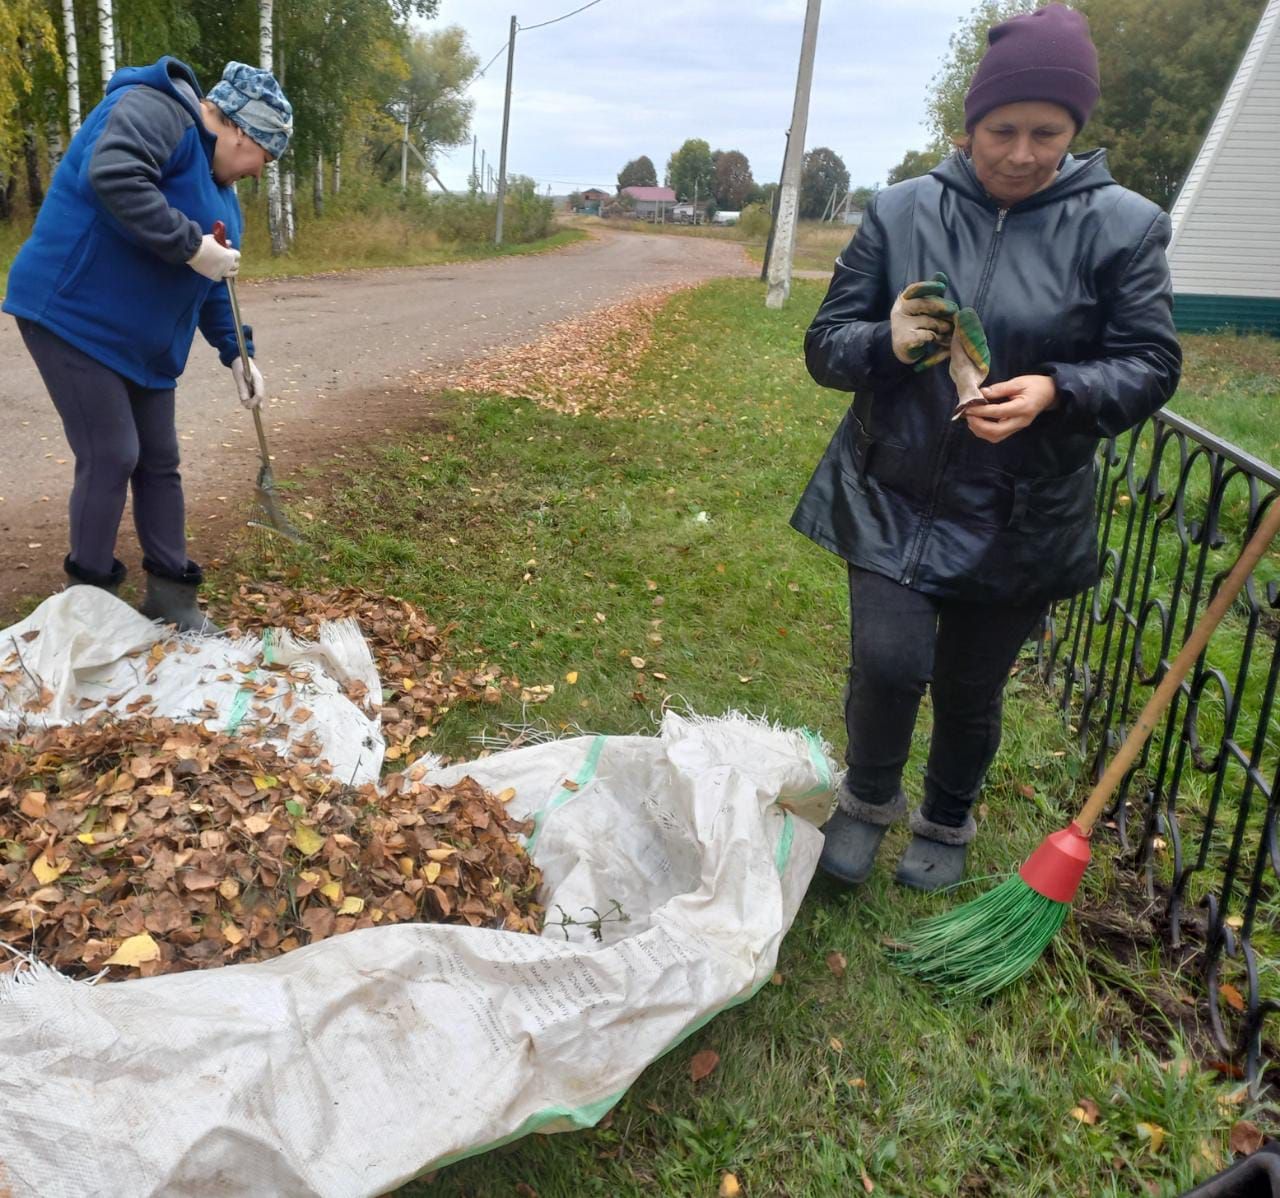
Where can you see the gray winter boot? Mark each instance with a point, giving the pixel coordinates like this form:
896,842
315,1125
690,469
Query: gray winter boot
77,576
935,856
853,835
173,601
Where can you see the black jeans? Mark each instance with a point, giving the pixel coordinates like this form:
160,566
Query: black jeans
902,641
122,435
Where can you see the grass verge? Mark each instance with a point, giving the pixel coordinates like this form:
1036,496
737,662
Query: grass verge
637,553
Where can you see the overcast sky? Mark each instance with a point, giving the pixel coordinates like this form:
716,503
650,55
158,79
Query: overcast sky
632,77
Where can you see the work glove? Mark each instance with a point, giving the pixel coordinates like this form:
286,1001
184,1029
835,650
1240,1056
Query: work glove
251,389
215,261
920,323
970,361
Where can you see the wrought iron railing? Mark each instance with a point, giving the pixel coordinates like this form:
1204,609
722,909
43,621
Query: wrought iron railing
1197,814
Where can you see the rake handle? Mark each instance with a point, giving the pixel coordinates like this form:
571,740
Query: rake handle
220,236
1156,706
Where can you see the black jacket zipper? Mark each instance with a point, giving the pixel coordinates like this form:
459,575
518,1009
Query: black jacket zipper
952,432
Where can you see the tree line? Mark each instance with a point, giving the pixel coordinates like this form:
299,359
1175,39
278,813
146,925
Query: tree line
367,91
722,180
1164,64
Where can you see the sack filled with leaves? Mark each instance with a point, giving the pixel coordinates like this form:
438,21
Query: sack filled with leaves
158,846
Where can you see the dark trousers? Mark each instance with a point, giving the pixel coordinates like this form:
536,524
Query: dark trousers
123,436
902,641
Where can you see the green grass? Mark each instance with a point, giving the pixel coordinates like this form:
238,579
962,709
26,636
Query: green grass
572,544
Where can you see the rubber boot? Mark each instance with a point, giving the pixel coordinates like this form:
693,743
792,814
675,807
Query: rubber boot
935,856
173,601
853,835
77,576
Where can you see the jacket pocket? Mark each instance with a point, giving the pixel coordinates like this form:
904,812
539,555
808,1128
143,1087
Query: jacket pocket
77,263
869,459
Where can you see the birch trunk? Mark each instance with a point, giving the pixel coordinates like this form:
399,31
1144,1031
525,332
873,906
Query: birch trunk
266,60
106,41
317,187
290,213
71,56
337,172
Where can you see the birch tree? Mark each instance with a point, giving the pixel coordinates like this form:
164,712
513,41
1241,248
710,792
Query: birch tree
106,41
266,60
71,62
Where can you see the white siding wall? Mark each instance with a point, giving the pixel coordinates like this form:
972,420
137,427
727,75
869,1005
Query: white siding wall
1226,222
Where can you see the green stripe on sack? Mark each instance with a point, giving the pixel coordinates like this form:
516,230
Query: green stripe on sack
586,772
240,704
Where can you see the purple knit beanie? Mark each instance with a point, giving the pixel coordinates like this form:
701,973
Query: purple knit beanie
1041,55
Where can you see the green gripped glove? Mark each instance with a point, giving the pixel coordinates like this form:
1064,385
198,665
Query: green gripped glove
970,361
920,321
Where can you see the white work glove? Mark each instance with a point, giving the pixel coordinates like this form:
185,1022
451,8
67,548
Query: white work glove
970,361
215,261
920,323
251,389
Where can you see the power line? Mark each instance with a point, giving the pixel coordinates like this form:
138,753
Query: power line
576,11
525,28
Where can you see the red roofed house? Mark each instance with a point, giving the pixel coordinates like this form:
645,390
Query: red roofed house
652,203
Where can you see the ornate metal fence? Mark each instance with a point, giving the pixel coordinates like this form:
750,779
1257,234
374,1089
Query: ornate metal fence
1197,814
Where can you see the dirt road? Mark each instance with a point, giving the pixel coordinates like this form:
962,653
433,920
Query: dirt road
334,350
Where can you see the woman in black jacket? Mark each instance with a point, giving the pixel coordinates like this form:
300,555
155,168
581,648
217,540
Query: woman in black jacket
958,533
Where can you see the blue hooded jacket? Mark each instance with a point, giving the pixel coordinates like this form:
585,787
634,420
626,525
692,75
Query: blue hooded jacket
105,266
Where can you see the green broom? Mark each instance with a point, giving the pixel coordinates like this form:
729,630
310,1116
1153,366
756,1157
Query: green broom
984,945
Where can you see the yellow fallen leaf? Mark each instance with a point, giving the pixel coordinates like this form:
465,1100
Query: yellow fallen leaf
232,934
229,888
333,892
135,951
637,663
572,677
310,875
1153,1133
352,905
505,796
1234,921
46,872
431,871
307,840
730,1187
406,866
1086,1112
265,781
442,854
86,838
837,1045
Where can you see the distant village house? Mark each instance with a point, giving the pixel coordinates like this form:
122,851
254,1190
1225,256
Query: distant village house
652,203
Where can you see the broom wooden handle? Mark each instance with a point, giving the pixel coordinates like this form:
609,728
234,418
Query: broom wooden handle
1249,557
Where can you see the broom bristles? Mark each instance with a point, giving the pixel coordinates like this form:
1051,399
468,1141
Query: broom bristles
985,944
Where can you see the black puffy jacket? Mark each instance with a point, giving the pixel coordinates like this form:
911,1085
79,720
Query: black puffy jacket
1072,283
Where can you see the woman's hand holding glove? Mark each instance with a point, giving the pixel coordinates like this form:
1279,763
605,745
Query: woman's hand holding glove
996,412
252,388
215,261
920,323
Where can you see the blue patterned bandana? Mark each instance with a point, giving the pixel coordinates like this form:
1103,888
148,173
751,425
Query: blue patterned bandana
252,98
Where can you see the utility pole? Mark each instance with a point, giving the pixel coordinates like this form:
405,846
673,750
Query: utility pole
773,220
475,179
695,203
404,152
789,190
506,124
484,176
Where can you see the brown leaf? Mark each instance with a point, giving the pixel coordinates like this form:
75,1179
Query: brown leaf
837,963
703,1064
1086,1111
730,1186
1246,1138
1235,1000
868,1185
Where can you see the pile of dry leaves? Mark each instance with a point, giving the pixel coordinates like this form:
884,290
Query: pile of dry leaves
162,847
576,366
418,686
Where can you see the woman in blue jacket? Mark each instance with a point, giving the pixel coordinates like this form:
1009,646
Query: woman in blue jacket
120,269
